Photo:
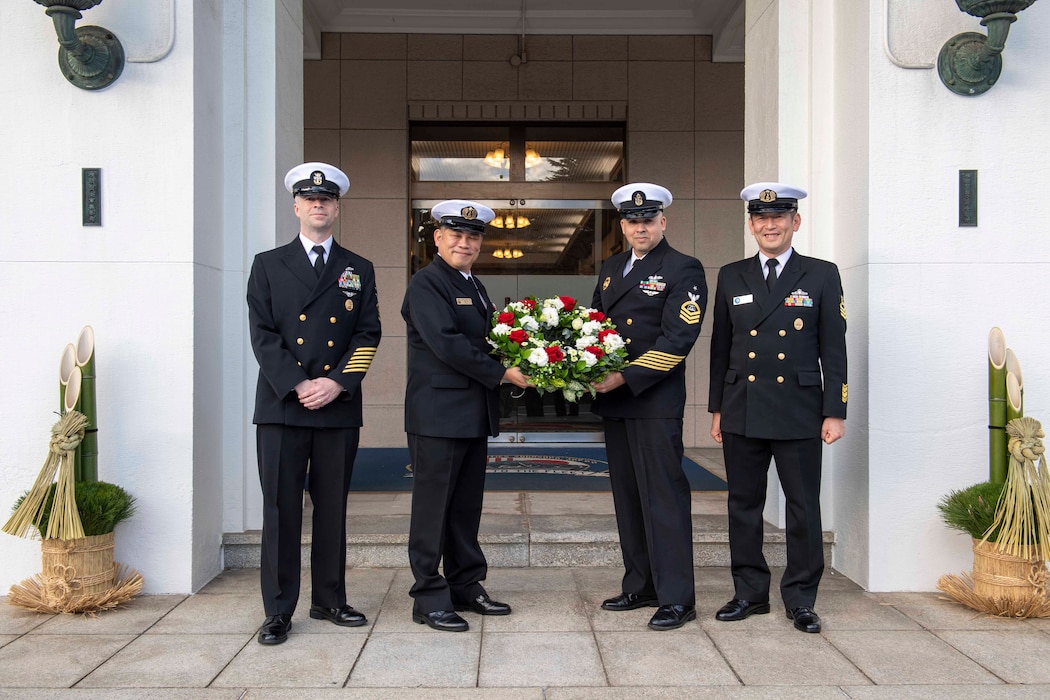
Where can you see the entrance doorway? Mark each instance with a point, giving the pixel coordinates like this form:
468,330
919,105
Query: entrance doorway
554,226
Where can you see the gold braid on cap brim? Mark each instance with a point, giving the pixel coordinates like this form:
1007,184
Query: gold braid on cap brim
56,593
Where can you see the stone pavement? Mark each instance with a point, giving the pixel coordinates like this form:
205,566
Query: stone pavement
557,645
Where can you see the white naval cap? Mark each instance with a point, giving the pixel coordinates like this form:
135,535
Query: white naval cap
771,197
313,179
641,200
462,215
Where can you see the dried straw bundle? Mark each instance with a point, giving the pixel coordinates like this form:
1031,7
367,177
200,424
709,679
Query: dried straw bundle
64,523
960,588
58,591
1023,513
1010,577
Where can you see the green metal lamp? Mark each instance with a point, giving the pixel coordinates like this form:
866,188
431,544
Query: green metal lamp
970,63
90,57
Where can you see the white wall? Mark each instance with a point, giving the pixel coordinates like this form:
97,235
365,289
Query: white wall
936,289
132,279
194,140
880,147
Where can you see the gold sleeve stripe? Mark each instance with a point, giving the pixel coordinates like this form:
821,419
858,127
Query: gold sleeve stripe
360,361
659,361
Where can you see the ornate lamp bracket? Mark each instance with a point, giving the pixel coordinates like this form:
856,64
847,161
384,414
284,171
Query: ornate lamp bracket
970,63
91,58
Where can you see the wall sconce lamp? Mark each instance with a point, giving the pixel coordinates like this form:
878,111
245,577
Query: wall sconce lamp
970,63
90,57
507,253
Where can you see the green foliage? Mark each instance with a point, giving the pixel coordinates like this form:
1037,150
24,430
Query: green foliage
972,510
102,506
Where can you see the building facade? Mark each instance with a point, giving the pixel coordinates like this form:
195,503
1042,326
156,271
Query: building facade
219,99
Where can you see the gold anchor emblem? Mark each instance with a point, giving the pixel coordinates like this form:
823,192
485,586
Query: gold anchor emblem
468,213
318,177
767,196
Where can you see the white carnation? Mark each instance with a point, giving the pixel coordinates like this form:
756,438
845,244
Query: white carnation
501,329
591,328
538,357
585,341
529,323
554,302
613,342
549,316
589,359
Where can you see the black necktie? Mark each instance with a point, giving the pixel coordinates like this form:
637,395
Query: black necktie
484,302
771,277
319,261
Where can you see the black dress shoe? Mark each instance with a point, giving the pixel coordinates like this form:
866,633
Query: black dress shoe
806,620
443,620
629,601
345,616
483,605
275,629
738,609
671,617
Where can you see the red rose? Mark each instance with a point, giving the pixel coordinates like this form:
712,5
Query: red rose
594,350
602,335
554,354
569,302
529,304
506,317
518,335
597,316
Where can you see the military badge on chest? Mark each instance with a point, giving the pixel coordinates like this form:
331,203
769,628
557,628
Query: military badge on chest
653,285
349,283
798,298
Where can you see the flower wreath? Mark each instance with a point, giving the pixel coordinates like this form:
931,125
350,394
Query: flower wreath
558,344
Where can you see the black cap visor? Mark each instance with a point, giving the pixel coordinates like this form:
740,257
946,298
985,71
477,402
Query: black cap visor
777,206
457,223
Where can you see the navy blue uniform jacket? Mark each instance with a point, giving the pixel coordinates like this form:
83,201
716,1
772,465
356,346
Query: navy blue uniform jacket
769,350
305,327
453,381
658,308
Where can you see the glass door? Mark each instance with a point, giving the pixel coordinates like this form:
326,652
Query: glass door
554,226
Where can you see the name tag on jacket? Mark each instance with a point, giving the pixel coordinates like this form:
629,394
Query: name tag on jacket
743,299
464,301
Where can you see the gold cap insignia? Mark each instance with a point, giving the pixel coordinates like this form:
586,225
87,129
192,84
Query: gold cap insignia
639,198
468,213
318,177
767,195
845,392
798,324
349,304
605,284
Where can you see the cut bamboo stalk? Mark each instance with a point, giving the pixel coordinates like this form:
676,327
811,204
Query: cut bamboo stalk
1014,408
88,453
71,402
997,456
1013,366
65,369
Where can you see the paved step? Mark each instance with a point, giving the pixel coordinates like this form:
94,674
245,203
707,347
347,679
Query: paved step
516,540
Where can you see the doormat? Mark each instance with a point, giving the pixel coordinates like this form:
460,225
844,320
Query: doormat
515,469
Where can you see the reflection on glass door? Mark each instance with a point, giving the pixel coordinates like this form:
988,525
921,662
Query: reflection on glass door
537,248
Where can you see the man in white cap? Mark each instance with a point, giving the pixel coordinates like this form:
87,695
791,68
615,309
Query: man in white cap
778,388
656,296
451,409
314,322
